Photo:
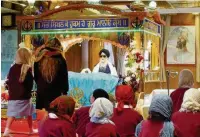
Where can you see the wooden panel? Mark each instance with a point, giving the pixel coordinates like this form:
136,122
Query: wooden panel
73,58
94,48
179,19
173,81
182,19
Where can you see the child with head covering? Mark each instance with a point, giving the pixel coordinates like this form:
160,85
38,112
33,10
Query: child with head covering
58,123
159,122
186,81
104,65
81,116
100,124
188,117
20,83
125,112
50,73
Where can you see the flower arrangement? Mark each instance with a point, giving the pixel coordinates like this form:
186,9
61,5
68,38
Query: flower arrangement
133,68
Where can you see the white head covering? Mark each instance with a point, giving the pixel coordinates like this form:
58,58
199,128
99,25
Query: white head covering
101,110
191,101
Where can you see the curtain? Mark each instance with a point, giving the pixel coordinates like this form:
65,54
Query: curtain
120,61
163,46
108,46
197,28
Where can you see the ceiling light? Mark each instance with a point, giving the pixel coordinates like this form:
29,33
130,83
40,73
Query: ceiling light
31,2
152,5
56,7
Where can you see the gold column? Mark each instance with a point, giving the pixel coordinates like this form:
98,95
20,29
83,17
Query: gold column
197,25
27,42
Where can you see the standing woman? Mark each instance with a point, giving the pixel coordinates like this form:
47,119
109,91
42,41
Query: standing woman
20,83
186,81
50,73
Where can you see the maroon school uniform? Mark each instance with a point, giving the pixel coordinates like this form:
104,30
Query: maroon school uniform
100,130
19,90
188,123
152,129
177,98
81,119
126,121
56,128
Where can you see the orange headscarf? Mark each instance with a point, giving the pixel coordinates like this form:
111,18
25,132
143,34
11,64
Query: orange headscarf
124,95
63,106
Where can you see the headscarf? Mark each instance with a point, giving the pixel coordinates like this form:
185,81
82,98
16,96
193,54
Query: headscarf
23,56
100,93
186,79
101,110
105,51
191,101
51,48
163,104
63,106
124,95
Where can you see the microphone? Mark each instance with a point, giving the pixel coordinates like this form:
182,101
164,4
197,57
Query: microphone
172,72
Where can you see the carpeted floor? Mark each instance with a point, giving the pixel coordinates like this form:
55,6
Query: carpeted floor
20,126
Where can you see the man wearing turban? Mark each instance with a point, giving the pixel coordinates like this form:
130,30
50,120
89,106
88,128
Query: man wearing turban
104,65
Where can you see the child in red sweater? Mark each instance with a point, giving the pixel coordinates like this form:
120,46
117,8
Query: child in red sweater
58,123
125,117
81,116
100,124
159,122
188,117
20,83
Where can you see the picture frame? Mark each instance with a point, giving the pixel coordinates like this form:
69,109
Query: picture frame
181,46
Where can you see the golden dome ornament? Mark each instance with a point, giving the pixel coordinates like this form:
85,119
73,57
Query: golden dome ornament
30,10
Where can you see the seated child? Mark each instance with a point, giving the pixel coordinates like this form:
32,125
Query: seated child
125,117
100,124
188,117
159,122
81,116
58,123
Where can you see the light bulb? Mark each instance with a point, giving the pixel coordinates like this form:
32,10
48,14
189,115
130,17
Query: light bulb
153,5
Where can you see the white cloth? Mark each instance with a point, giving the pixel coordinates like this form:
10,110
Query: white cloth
53,116
101,110
86,70
112,69
109,47
191,101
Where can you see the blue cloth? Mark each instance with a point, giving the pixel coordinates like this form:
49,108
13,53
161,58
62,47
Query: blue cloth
89,82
